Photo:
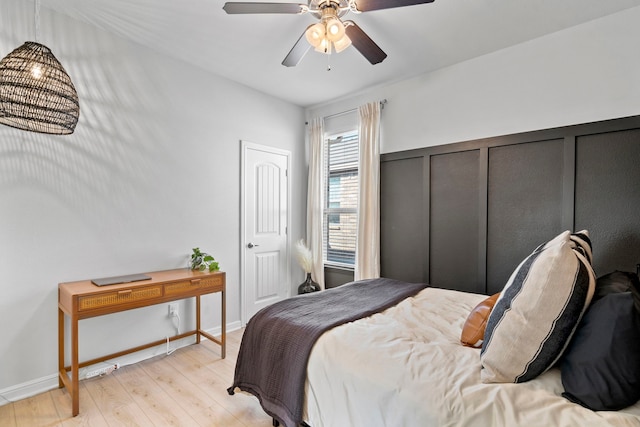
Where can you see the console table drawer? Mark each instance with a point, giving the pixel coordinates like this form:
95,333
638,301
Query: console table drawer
207,283
122,296
211,282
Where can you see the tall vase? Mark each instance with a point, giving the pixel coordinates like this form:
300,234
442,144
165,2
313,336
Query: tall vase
308,286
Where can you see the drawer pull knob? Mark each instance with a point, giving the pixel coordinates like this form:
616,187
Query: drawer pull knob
195,281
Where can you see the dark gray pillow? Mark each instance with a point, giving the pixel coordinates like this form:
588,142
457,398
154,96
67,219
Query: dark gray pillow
601,368
618,281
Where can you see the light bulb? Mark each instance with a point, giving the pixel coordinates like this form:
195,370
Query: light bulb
335,29
36,71
324,47
315,34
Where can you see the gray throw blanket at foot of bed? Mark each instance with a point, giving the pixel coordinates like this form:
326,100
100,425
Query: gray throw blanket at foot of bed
275,348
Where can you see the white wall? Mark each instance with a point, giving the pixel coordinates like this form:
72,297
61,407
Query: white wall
152,170
582,74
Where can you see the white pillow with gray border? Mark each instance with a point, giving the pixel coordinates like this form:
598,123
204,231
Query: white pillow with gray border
538,310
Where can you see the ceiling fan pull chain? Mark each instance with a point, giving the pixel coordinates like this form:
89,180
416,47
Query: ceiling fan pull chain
329,62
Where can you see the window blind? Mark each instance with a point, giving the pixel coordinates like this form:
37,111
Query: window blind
340,213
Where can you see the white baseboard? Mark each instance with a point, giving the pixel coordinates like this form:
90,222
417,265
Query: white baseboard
28,389
50,382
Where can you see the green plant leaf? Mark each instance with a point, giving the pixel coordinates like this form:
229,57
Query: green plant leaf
203,261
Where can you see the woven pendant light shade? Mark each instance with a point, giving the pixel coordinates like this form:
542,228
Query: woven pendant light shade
36,93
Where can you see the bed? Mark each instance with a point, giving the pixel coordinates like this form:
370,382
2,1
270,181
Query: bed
401,363
405,366
463,216
409,369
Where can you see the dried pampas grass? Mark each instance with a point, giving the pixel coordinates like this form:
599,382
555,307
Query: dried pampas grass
304,256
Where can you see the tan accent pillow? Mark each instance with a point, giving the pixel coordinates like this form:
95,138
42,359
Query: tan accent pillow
473,329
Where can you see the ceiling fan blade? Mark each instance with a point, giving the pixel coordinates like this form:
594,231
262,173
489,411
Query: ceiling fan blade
297,52
361,41
368,5
253,7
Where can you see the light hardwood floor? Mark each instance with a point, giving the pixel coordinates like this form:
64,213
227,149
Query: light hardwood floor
185,388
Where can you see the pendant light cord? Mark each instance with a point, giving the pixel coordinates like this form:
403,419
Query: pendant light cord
36,18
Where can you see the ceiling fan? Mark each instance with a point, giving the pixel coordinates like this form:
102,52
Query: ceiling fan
330,33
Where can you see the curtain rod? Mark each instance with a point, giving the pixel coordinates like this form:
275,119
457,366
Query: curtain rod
382,103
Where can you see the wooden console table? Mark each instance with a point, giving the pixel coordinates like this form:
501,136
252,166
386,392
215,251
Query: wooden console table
82,300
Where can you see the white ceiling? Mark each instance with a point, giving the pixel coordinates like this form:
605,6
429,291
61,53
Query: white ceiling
250,48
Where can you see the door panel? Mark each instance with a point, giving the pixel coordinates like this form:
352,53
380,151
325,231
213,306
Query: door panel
264,236
267,276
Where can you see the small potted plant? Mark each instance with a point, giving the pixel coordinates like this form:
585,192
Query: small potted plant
305,259
203,261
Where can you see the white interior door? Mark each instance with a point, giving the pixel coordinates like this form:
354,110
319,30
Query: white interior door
264,240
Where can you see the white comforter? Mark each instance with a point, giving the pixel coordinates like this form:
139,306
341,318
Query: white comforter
406,367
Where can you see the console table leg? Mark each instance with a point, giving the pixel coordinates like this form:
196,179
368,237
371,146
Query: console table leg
60,347
198,319
223,337
75,392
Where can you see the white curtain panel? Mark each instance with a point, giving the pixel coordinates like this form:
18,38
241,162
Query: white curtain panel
368,236
315,197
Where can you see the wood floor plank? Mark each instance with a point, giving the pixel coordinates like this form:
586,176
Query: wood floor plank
186,388
159,406
90,415
189,396
36,410
202,372
114,402
7,415
223,368
210,417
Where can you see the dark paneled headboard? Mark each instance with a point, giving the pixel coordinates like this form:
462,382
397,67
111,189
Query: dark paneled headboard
462,216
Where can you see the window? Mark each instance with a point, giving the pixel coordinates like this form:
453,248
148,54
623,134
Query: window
340,212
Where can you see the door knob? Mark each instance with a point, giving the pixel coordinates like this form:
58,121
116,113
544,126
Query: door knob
251,245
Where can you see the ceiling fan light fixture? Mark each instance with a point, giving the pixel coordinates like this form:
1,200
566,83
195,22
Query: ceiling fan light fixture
324,47
330,33
315,34
335,29
342,44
